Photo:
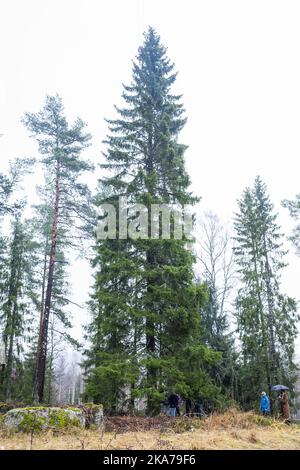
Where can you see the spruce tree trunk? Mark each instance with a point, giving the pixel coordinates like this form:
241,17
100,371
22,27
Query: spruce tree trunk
132,385
15,273
43,332
10,354
150,326
263,327
270,302
150,337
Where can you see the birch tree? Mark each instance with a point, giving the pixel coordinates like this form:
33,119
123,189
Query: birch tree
217,269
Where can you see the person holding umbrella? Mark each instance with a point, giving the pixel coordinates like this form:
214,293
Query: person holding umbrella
283,402
264,404
284,406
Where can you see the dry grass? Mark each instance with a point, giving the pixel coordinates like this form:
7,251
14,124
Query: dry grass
229,430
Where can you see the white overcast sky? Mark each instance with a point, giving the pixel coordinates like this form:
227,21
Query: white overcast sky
239,73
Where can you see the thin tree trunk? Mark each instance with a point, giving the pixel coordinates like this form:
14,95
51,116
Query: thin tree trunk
43,332
73,390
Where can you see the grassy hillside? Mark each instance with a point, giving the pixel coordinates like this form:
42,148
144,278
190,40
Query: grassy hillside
230,430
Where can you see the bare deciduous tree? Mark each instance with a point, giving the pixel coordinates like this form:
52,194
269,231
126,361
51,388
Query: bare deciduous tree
216,266
215,255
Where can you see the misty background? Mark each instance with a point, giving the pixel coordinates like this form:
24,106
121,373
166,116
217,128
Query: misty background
239,73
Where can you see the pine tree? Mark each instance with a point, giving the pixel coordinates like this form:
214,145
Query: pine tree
61,146
266,318
59,320
145,327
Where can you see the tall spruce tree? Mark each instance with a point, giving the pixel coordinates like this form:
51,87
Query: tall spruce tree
61,146
17,302
145,329
12,255
266,318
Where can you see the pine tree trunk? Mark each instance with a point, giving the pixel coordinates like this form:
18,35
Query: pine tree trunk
43,332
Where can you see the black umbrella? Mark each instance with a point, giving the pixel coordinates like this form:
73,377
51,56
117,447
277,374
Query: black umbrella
278,388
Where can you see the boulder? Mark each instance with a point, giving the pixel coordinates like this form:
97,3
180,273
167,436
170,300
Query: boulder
40,418
93,415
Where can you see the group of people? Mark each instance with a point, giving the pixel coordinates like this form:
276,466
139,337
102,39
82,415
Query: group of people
283,402
174,401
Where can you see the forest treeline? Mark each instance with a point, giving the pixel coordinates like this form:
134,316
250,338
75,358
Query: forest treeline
218,334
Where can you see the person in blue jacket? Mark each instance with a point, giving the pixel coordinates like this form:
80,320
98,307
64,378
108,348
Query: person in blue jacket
264,404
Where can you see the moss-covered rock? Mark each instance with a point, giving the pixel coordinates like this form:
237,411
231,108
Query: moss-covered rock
36,419
93,415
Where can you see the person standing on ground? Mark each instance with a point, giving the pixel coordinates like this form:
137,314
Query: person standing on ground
285,407
173,403
264,404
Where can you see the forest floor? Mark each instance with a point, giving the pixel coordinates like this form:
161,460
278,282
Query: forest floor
230,430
